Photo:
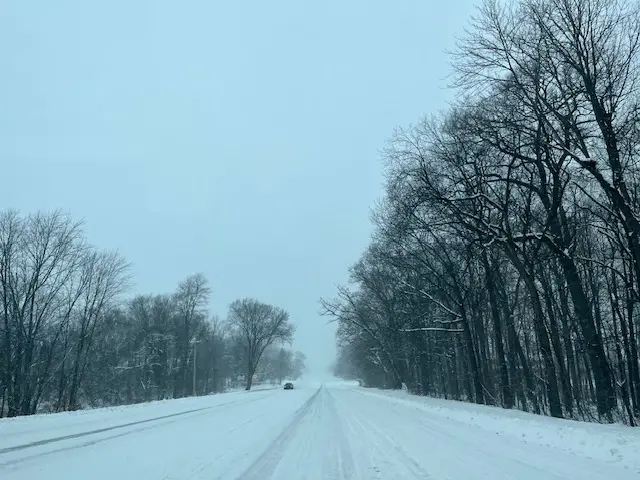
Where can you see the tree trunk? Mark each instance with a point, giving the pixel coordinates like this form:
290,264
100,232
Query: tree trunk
605,393
624,381
505,384
556,343
555,406
631,345
477,391
249,380
517,352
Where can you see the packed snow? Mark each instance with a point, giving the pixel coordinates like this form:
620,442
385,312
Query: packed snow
332,431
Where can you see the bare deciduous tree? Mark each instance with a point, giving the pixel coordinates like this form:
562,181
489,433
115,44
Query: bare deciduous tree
191,300
258,325
510,226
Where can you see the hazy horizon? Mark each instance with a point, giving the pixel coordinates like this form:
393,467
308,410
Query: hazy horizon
239,141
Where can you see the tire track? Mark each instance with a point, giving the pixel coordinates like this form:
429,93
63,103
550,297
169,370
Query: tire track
62,438
88,443
265,465
380,454
96,431
343,456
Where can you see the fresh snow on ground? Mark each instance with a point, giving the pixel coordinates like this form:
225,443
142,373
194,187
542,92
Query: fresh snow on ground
613,444
332,431
22,430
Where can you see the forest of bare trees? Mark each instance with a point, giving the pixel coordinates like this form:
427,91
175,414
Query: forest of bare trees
71,337
505,264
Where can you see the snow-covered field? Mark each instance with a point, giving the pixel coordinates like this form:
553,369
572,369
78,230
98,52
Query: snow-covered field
333,431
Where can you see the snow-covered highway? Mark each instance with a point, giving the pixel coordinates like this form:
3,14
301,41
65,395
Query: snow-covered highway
331,431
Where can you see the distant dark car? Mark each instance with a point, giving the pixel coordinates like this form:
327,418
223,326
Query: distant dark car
288,386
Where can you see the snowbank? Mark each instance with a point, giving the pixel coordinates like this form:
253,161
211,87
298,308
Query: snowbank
616,444
20,430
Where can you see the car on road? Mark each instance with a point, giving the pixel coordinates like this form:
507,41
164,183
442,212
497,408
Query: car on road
288,386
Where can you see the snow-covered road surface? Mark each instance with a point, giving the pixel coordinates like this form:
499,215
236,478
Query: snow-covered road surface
335,431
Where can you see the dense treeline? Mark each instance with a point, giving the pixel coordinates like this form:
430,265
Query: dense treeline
505,264
69,338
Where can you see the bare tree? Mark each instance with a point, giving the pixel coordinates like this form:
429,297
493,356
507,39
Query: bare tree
103,277
191,300
41,255
515,215
258,325
67,341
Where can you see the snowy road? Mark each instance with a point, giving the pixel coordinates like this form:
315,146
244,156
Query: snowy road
335,431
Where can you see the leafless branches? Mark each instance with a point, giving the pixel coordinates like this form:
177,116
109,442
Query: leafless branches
258,325
505,215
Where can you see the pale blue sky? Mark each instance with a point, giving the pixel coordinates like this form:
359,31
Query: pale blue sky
236,139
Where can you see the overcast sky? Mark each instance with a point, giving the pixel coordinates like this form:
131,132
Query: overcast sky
236,139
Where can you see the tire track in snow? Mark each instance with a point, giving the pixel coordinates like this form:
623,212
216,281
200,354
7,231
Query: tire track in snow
88,443
264,466
268,462
379,454
345,464
312,446
514,455
97,431
215,443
